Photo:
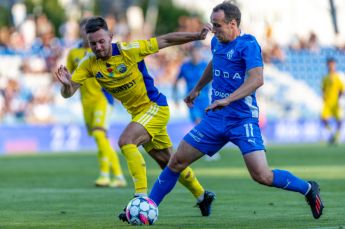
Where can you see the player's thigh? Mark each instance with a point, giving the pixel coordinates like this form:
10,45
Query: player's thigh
326,112
338,113
87,114
134,133
99,115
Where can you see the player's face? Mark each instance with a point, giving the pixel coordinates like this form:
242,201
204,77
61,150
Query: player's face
224,31
195,56
100,43
332,66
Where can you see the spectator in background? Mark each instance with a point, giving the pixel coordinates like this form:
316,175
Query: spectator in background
313,43
16,102
96,103
332,88
191,71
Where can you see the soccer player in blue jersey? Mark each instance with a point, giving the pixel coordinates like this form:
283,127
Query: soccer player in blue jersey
191,71
237,71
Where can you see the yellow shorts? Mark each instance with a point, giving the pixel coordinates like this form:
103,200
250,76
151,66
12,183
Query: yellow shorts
331,111
96,115
155,120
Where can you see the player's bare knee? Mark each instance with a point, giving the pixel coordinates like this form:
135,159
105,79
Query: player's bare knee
262,178
176,164
124,140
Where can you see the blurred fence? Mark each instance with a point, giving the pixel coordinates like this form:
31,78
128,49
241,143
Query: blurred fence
74,138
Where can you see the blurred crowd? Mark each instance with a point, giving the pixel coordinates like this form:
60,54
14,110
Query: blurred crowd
31,50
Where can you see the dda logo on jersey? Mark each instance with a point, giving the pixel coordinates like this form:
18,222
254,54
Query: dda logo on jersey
122,68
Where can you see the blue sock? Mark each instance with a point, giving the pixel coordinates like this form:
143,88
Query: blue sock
286,180
163,185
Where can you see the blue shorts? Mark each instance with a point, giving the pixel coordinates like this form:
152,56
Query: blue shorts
213,132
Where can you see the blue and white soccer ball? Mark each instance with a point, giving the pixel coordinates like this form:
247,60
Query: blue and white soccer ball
141,211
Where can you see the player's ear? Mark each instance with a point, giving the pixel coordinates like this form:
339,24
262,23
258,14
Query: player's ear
111,35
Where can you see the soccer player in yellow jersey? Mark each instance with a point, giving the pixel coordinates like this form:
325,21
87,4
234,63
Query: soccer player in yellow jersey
121,70
96,106
332,88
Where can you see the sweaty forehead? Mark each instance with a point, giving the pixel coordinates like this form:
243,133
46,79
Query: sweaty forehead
98,35
217,17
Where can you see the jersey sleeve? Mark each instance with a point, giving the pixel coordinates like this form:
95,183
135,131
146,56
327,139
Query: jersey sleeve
181,72
252,54
70,63
137,50
83,71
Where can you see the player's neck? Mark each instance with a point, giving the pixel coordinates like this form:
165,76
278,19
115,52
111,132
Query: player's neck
234,35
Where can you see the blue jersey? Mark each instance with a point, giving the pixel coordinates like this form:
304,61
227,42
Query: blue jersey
230,63
192,73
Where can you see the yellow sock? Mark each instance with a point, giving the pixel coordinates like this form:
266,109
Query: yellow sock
189,180
101,141
115,163
136,166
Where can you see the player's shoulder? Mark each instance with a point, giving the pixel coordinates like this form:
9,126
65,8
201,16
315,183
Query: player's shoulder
88,58
125,46
248,38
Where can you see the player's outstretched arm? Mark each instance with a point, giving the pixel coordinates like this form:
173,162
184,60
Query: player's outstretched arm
203,81
178,38
254,81
68,87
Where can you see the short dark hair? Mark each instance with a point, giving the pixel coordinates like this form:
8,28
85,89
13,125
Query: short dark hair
94,24
331,59
83,22
231,11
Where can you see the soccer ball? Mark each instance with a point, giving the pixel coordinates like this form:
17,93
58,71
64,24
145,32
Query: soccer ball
141,211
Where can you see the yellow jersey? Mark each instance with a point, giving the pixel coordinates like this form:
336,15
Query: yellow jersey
124,74
332,87
91,92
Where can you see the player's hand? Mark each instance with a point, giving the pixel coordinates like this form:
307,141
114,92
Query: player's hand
189,100
63,75
205,29
217,105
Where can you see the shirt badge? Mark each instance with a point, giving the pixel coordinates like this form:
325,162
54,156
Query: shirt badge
122,68
229,54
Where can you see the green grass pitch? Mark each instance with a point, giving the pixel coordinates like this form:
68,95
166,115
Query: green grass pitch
57,191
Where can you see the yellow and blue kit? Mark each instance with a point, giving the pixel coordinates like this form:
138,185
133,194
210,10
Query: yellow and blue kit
332,87
95,100
125,76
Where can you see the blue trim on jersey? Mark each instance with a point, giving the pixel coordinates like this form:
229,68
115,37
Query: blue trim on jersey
80,44
108,96
115,50
152,92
